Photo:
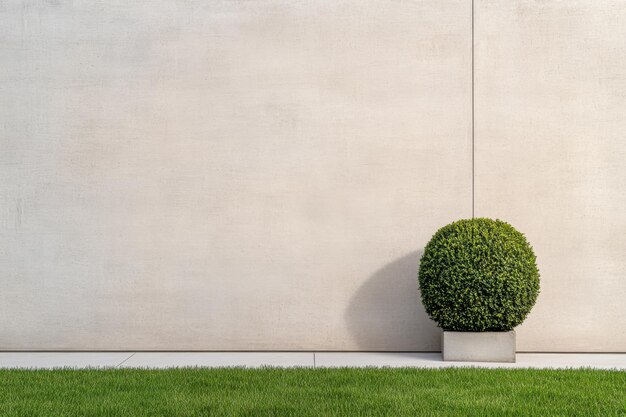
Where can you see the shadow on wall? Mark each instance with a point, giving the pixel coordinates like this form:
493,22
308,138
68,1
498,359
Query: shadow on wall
386,313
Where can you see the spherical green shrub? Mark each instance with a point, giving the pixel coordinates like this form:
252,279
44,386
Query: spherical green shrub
478,275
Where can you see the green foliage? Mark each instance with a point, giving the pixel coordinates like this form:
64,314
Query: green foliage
478,275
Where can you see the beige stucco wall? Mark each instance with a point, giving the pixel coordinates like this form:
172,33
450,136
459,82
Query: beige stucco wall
228,175
551,158
244,175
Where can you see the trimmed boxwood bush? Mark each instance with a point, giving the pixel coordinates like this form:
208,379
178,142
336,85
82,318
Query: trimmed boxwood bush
478,275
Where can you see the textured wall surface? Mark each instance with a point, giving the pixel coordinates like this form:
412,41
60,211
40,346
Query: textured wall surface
550,151
248,175
227,174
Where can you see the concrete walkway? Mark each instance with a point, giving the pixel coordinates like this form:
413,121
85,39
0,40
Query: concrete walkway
48,360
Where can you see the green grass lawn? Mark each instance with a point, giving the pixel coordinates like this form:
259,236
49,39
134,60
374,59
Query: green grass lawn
312,392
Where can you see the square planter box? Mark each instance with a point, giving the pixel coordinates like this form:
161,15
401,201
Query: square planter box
479,346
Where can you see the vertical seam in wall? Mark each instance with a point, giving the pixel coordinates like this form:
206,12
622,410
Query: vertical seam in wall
473,131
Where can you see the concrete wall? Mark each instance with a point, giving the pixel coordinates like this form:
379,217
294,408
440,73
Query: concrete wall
551,158
238,175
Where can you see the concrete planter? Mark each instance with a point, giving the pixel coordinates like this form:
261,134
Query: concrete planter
479,346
